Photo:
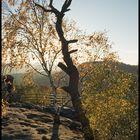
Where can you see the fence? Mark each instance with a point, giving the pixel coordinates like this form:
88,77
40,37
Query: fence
47,99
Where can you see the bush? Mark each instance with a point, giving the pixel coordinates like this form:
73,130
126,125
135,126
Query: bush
4,108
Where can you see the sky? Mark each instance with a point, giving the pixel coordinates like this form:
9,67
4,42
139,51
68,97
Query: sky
118,17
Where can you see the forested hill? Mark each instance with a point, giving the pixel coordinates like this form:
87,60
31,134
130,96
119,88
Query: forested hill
121,66
41,80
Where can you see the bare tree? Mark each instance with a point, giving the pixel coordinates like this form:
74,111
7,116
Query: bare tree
25,41
69,68
29,35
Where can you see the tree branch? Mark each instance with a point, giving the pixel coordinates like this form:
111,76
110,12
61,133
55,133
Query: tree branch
36,69
51,1
54,59
72,51
72,41
52,10
63,67
65,6
43,8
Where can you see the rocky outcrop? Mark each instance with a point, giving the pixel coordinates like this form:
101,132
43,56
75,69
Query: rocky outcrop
25,121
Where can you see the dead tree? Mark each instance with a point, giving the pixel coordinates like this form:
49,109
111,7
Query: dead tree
69,68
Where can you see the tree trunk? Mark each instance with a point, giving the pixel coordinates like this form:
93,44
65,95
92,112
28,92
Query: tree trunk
72,88
76,101
52,88
54,93
70,68
55,105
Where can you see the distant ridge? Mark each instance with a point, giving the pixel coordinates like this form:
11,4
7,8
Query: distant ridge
41,80
121,66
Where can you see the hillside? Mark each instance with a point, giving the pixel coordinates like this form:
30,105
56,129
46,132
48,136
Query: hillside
31,122
120,66
41,80
34,122
127,68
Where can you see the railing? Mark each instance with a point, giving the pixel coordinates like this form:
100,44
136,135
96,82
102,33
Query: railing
47,99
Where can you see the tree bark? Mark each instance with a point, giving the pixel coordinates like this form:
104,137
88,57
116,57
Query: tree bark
55,104
72,89
76,101
69,68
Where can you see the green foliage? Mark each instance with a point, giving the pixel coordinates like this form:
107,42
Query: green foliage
107,99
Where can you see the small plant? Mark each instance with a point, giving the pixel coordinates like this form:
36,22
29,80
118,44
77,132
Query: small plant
4,108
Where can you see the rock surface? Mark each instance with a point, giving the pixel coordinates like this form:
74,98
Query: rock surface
29,122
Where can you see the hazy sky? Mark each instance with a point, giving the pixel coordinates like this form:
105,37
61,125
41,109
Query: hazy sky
118,17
